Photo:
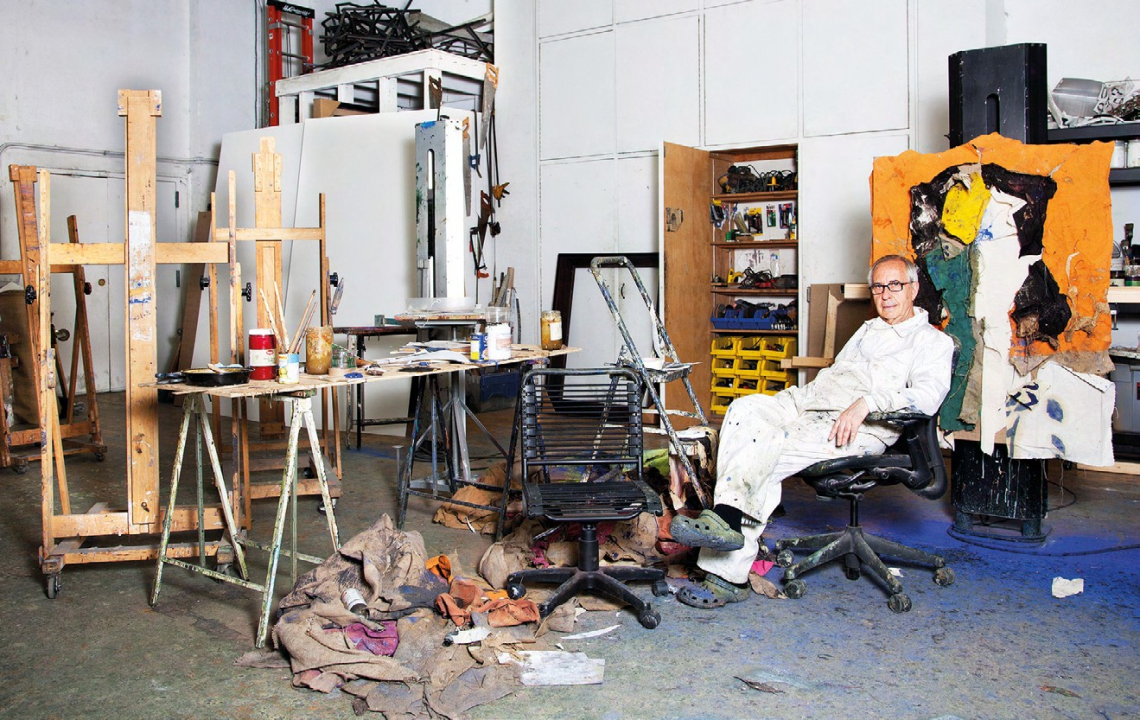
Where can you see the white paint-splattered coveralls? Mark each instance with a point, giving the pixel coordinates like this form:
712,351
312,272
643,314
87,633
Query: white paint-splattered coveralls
766,438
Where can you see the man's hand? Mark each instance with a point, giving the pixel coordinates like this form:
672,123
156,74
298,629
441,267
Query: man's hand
848,422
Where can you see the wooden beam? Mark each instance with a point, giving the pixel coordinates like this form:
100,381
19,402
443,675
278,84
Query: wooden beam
270,233
117,523
141,107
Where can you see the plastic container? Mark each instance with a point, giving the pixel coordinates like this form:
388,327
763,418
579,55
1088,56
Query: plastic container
498,333
318,350
262,354
551,330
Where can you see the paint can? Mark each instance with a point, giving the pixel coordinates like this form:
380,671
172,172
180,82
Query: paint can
262,354
289,368
1133,153
479,346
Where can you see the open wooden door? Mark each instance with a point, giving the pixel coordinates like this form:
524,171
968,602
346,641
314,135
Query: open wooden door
687,304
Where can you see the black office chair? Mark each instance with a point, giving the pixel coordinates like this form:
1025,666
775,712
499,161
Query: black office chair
914,461
580,433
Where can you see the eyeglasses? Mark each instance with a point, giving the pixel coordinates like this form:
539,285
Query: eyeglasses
894,286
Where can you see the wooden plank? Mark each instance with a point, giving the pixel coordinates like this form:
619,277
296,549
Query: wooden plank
687,305
118,523
82,344
129,553
267,215
89,253
190,253
277,233
394,66
141,107
192,300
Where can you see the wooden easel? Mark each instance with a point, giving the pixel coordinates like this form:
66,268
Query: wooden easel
268,236
64,535
17,447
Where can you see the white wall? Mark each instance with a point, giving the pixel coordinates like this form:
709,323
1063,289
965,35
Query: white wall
65,62
848,80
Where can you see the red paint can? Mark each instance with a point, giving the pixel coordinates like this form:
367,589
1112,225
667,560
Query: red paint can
262,354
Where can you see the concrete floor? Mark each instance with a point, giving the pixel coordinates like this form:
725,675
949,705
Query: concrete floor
996,644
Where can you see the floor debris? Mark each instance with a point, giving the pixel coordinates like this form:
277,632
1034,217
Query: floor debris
551,667
762,687
592,633
1063,588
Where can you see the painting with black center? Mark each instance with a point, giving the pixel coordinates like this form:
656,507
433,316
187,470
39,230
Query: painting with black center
1013,244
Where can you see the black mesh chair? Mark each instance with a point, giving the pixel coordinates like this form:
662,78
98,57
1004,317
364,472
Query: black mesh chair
580,434
914,461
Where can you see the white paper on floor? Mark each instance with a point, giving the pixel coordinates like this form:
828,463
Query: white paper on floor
1064,588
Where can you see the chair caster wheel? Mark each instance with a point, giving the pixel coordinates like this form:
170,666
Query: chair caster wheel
515,590
100,457
795,589
785,558
852,573
321,507
20,468
944,576
899,603
52,586
649,618
660,588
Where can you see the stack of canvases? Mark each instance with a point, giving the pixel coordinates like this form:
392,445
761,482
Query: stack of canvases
1013,244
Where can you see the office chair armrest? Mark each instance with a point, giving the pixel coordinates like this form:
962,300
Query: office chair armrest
898,417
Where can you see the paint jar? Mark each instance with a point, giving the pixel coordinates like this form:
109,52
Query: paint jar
318,350
551,330
498,321
262,354
289,368
1119,154
354,601
1133,153
342,362
479,346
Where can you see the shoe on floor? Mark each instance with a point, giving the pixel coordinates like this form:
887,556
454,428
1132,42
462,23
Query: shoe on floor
707,530
713,592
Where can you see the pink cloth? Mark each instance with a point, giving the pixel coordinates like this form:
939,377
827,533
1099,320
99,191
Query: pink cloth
761,567
378,642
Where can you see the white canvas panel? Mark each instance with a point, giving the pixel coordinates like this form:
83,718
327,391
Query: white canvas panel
556,17
630,10
578,214
576,96
365,166
854,66
658,83
758,41
835,197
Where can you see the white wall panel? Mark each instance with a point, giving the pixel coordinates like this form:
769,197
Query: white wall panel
658,83
576,96
558,16
751,73
578,214
855,66
629,10
1088,40
637,204
835,202
944,28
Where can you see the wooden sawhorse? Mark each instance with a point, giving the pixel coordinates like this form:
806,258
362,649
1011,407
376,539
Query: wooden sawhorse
302,415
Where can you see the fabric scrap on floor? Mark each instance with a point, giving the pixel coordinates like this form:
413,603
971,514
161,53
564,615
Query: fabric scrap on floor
483,521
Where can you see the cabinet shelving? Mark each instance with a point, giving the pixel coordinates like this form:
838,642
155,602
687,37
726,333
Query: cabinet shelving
698,255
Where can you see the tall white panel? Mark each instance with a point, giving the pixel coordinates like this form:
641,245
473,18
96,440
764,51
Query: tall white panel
576,96
577,206
835,194
556,17
855,66
752,75
629,10
944,28
658,83
637,204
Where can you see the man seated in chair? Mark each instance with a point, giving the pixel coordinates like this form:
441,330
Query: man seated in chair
898,361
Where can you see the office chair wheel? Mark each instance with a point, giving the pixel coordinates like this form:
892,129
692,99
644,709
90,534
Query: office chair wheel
852,573
785,558
660,588
944,576
649,618
899,603
795,589
515,590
